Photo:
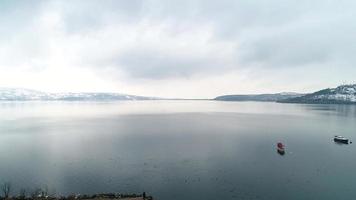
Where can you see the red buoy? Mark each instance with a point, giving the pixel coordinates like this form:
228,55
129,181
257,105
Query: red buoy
280,148
280,145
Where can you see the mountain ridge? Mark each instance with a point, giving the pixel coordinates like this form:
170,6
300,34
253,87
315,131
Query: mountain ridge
21,94
343,94
273,97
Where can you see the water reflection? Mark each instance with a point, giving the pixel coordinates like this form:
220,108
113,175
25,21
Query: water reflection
179,149
339,110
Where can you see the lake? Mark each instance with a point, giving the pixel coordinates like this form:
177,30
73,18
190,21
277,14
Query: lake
179,149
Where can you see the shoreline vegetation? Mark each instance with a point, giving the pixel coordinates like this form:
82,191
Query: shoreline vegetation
45,194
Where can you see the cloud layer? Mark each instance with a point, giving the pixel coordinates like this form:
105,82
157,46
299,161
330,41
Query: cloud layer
195,48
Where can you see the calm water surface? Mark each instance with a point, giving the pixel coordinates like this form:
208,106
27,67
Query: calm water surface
179,149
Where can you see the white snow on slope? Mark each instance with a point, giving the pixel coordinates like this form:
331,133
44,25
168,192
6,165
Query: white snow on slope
341,93
19,94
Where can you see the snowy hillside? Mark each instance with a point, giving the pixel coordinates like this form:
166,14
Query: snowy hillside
344,94
16,94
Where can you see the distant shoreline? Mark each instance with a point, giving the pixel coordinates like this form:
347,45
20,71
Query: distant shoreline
344,94
108,101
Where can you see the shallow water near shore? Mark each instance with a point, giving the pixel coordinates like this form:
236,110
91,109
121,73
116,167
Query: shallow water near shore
179,149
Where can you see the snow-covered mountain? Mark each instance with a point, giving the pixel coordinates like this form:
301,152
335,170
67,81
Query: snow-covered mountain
18,94
344,94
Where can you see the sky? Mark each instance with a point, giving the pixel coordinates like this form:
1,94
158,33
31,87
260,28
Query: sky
177,48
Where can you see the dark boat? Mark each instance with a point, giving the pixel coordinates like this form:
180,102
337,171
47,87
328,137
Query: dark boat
280,148
341,139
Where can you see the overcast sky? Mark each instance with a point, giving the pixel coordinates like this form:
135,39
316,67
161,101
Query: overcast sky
177,48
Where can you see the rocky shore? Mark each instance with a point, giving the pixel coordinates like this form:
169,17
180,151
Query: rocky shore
108,196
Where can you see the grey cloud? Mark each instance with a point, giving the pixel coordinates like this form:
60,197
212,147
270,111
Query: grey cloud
160,65
307,43
16,17
290,49
81,16
270,34
284,34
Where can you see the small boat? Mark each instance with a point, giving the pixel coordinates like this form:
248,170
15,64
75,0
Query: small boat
280,148
341,139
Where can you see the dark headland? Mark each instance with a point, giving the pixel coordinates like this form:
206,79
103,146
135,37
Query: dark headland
344,94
